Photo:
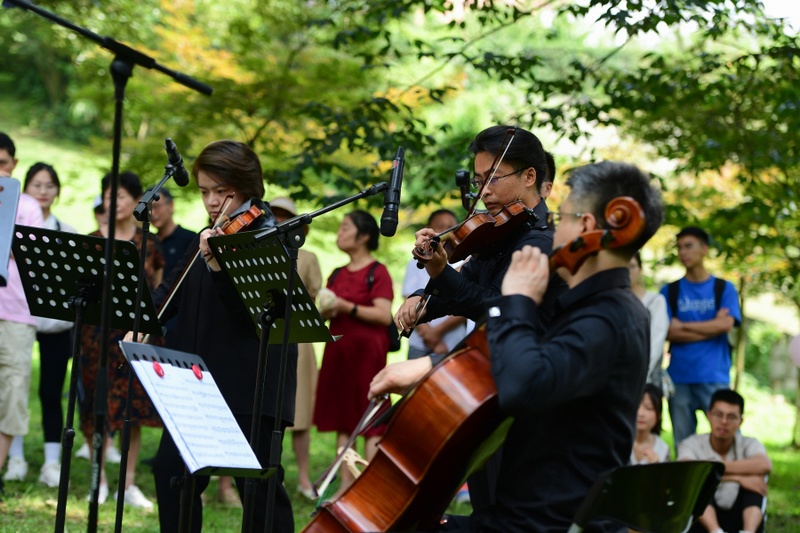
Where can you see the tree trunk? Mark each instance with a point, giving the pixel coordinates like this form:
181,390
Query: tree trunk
796,432
740,338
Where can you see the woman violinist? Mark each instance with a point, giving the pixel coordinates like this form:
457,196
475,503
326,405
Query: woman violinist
213,323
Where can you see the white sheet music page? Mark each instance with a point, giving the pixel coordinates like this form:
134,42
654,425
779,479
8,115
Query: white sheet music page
197,417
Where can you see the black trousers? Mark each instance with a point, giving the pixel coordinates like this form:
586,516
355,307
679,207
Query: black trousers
168,464
55,350
731,519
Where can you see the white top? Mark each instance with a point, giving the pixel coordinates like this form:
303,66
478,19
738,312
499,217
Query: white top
415,279
698,447
659,324
659,446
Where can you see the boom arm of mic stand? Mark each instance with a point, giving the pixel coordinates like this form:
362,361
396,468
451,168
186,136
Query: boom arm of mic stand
306,218
121,50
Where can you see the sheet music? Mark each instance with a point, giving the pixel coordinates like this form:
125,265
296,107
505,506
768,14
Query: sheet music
197,417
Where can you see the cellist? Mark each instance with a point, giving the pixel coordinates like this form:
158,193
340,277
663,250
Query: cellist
574,390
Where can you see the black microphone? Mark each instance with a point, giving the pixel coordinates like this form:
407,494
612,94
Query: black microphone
391,198
180,175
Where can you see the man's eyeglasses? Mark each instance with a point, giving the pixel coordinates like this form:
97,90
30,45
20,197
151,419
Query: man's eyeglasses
730,417
554,217
477,184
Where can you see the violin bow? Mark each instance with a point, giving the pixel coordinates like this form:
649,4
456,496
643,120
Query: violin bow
498,160
321,485
177,285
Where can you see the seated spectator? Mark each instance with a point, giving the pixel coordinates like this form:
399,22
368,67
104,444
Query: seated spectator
440,335
648,446
740,500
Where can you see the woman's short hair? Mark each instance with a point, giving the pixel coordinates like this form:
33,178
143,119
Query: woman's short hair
127,180
233,163
365,225
656,397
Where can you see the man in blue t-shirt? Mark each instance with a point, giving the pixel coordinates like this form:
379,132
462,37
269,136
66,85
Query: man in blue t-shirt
698,332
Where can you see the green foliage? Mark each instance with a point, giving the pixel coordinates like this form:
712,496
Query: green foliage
761,338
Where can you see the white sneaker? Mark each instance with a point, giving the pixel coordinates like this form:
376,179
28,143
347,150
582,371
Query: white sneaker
50,474
135,498
113,455
102,494
83,451
17,469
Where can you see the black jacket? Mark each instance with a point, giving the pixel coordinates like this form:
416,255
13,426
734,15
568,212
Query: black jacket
213,323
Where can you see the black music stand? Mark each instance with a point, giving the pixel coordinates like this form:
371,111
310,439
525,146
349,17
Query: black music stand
62,274
176,401
9,197
265,275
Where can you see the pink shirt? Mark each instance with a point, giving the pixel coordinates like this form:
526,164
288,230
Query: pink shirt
13,305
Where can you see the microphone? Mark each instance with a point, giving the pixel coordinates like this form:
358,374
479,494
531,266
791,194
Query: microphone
180,175
391,198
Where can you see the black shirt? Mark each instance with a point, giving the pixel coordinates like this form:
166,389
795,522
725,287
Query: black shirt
465,293
174,245
213,322
574,393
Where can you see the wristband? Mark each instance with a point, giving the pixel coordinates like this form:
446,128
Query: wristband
354,310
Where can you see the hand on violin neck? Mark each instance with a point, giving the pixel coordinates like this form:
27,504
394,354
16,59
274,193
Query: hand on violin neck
205,249
527,275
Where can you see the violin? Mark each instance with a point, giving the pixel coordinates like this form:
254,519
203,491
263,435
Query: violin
625,219
242,220
487,228
450,422
228,226
476,233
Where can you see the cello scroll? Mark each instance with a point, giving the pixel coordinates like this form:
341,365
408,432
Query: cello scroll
626,221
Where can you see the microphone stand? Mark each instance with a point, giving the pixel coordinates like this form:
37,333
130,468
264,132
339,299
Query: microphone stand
291,234
125,58
142,213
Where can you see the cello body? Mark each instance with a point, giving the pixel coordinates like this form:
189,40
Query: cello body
424,455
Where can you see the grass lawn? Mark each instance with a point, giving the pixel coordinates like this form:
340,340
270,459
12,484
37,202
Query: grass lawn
31,507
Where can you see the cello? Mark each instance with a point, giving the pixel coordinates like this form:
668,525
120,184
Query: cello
450,421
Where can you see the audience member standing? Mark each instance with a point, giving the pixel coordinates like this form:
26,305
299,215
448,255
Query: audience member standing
441,334
702,310
307,373
360,312
17,333
741,497
175,240
142,413
656,306
54,336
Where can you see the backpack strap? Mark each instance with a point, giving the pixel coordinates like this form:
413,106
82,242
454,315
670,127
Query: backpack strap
370,275
334,274
672,298
719,288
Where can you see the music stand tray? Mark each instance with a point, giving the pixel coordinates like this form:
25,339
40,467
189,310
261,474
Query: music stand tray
260,272
9,198
55,266
187,398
